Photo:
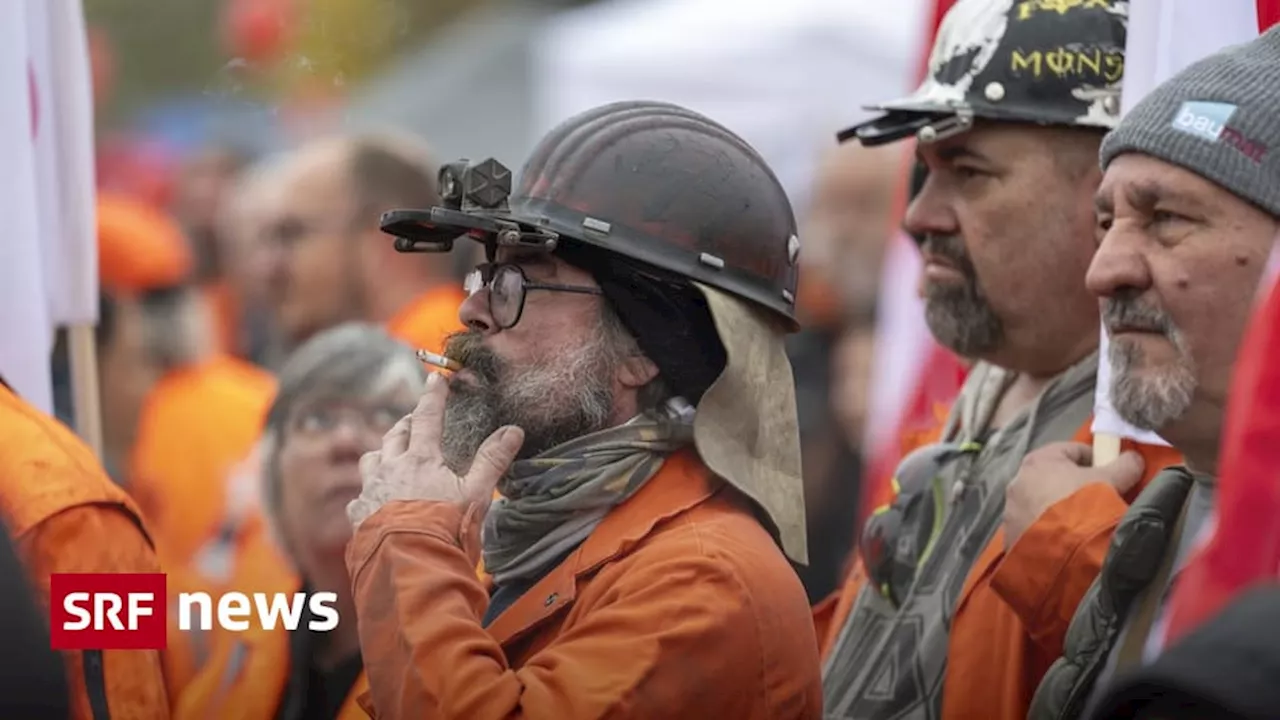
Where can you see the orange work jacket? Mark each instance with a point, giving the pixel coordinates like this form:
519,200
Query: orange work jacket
66,515
679,604
1012,615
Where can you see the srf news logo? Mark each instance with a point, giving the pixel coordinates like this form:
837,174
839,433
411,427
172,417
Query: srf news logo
130,611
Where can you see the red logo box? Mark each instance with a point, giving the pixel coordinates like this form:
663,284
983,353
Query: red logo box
108,611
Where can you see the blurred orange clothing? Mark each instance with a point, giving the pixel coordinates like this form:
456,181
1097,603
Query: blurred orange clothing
253,563
247,673
426,322
256,560
67,516
224,308
139,247
196,424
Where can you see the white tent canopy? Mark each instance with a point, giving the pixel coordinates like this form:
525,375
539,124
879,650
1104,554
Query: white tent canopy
784,76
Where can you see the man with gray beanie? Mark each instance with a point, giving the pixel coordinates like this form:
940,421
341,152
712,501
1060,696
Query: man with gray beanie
1188,211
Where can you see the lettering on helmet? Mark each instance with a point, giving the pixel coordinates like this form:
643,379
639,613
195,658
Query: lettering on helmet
1091,65
1028,8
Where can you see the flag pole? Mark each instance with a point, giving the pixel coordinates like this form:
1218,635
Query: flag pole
1106,447
83,355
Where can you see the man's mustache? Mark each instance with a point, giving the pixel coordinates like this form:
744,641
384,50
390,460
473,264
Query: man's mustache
950,249
1127,313
467,347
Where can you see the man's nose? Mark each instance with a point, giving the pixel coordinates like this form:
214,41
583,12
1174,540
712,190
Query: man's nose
474,312
1119,264
928,213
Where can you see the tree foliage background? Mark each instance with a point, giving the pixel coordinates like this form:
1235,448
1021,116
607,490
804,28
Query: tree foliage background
171,48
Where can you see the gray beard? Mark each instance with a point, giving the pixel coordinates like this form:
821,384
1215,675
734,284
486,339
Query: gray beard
960,316
1152,401
473,413
553,402
961,319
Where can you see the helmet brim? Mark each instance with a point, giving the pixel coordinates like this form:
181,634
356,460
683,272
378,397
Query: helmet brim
901,119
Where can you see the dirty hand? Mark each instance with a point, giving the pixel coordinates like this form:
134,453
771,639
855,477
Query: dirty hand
1056,471
410,465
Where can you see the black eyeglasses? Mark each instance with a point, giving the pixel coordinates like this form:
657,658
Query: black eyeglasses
507,285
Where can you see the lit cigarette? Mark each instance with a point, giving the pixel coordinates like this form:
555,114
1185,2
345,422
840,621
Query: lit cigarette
440,361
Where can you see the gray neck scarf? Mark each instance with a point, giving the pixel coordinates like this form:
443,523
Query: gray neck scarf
553,501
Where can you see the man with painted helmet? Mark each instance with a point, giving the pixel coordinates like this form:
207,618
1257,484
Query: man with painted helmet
960,600
622,382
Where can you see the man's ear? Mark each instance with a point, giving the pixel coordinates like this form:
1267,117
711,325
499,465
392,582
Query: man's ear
636,371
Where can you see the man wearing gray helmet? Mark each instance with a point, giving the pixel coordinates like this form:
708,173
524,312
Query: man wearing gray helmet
623,383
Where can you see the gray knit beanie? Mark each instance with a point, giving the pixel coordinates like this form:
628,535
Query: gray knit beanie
1219,118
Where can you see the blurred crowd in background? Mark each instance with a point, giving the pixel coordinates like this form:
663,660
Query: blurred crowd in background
246,150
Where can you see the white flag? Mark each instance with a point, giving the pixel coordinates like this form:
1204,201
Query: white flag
65,158
1166,36
48,257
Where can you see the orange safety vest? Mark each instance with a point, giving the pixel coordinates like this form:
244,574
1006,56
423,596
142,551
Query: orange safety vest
66,515
249,673
197,423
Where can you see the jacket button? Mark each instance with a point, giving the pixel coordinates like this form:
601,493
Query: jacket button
551,599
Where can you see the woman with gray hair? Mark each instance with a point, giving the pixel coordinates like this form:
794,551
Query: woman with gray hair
339,394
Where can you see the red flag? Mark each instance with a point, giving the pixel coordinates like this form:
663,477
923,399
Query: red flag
1268,14
1245,547
930,375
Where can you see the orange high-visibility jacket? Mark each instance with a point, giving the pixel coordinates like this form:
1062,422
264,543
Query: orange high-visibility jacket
196,424
248,675
67,516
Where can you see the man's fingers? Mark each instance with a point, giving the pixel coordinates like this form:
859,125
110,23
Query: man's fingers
1125,472
426,424
492,460
360,509
1078,453
396,441
370,462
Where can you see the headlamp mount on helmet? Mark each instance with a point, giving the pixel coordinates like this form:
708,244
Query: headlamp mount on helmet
474,200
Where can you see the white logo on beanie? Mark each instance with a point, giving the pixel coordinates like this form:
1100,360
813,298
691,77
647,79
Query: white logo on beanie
1204,119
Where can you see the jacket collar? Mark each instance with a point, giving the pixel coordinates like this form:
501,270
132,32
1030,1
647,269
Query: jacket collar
682,483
